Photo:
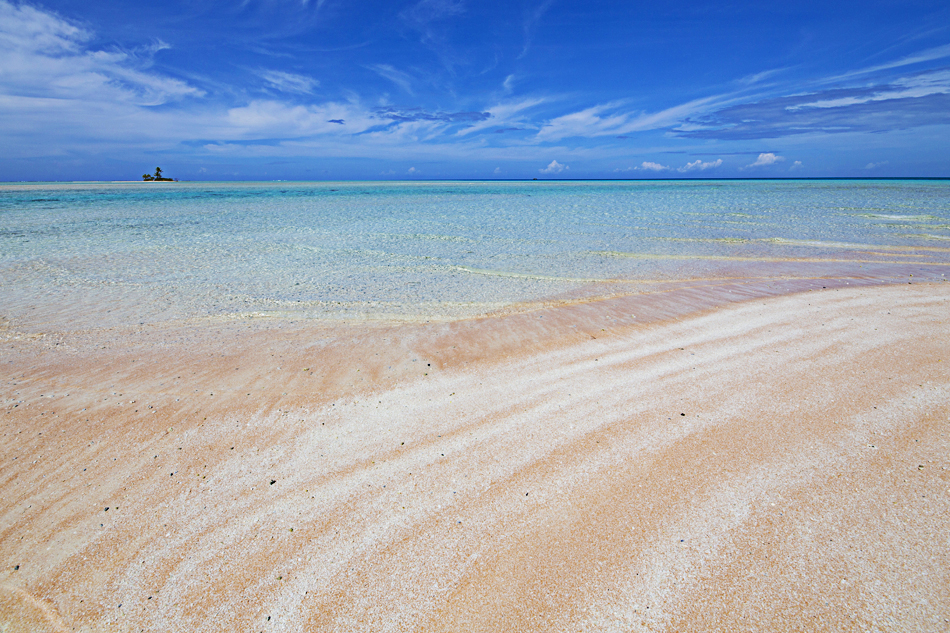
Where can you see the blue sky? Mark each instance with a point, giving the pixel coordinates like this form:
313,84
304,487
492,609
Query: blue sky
428,89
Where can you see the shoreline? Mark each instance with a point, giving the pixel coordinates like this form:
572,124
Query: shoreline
565,467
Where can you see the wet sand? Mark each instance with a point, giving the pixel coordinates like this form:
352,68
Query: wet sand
682,461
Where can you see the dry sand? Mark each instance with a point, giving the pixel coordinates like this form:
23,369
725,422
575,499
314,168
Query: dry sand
779,463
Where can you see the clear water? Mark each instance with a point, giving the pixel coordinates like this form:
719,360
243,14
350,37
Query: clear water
114,252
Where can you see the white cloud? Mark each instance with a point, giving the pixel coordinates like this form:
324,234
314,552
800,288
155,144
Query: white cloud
589,122
554,167
289,82
876,165
607,120
47,56
765,159
645,166
509,113
406,133
930,54
276,119
698,165
412,171
497,170
509,83
758,77
796,165
25,28
923,85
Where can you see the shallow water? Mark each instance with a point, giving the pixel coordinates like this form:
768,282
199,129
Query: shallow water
100,253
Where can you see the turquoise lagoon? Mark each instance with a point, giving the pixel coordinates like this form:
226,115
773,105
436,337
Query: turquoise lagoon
100,254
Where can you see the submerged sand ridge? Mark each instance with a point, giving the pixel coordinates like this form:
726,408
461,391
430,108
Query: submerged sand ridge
777,464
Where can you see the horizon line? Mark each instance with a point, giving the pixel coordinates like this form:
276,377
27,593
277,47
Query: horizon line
354,180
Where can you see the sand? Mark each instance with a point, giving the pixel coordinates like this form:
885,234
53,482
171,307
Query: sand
665,463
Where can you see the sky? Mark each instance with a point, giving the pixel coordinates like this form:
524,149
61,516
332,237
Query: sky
473,89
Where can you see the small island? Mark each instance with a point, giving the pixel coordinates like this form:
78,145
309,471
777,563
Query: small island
157,177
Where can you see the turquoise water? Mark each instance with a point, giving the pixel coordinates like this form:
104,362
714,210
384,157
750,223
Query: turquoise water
114,252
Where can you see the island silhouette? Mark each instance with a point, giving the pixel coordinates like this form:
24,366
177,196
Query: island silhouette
157,177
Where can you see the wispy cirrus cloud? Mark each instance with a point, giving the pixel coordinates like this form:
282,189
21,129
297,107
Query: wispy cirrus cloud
749,80
275,119
531,19
927,55
47,56
26,30
403,115
508,114
398,77
913,100
610,119
922,85
288,82
424,12
427,17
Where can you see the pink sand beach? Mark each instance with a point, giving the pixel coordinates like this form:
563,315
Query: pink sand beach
690,461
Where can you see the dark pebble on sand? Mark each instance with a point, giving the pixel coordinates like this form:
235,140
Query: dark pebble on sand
273,481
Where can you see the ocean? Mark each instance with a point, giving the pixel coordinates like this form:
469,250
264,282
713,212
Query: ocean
79,255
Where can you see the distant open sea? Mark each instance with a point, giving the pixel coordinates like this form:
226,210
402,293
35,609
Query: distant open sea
95,254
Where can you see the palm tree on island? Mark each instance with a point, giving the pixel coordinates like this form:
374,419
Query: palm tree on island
157,177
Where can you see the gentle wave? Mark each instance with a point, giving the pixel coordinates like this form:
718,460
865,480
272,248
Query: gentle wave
850,246
927,236
514,275
711,240
899,217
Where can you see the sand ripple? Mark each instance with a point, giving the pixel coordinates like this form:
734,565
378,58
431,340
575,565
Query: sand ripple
775,464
